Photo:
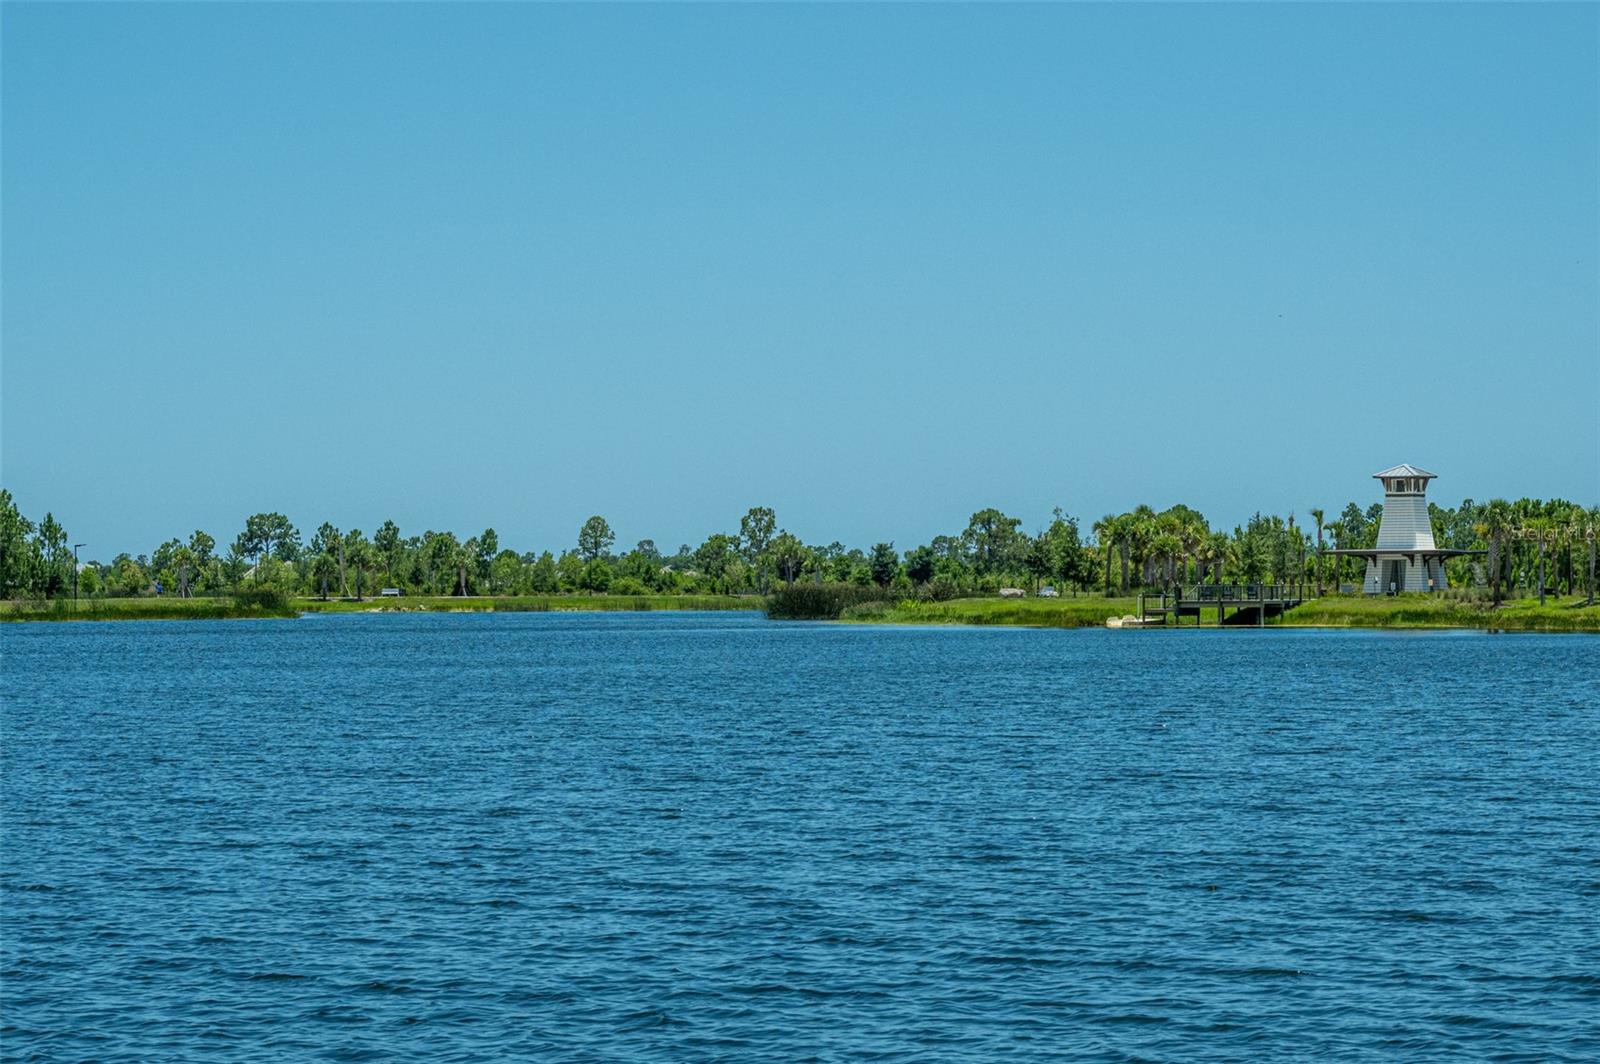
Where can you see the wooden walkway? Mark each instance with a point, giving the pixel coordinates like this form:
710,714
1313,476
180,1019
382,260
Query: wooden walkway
1252,604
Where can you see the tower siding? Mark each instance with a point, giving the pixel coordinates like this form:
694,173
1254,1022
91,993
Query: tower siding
1405,524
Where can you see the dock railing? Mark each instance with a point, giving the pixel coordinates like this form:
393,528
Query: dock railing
1238,593
1240,596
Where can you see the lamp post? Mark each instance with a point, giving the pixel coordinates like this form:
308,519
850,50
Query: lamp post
75,547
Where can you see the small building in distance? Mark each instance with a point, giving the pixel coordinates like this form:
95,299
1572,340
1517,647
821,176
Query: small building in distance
1406,557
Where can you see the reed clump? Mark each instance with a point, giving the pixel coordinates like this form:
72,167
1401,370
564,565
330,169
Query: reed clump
822,602
266,599
145,608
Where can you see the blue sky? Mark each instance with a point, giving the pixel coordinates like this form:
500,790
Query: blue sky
876,267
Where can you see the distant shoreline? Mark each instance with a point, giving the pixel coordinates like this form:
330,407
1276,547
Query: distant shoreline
1407,612
1413,612
216,609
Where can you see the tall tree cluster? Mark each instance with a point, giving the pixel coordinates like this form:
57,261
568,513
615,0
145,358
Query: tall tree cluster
1532,546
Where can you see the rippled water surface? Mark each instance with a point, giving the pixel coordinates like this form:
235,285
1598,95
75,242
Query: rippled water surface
684,837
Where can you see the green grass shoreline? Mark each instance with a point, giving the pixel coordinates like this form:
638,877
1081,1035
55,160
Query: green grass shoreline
1085,611
1406,611
213,609
1421,611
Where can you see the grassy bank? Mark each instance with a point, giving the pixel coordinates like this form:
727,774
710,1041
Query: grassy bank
141,609
531,604
216,609
1422,611
1406,611
1087,611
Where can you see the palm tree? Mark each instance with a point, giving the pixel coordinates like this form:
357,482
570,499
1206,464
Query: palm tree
1495,527
1165,547
1535,527
183,565
1141,531
1338,559
1569,530
1216,553
1318,515
323,566
463,558
1124,537
1253,560
1105,532
1591,532
1299,537
1523,514
1539,529
363,558
1193,534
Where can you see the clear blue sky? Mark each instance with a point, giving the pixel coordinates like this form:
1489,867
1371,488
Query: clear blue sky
876,267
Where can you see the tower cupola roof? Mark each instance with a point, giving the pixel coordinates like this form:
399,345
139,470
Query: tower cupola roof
1404,470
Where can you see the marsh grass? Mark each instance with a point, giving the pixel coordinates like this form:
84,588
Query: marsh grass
1424,611
850,603
531,603
275,604
609,603
822,602
144,609
1087,612
1405,611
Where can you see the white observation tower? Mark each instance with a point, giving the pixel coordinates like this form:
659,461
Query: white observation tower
1405,558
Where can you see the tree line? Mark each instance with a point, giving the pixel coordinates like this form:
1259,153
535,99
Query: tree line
1530,543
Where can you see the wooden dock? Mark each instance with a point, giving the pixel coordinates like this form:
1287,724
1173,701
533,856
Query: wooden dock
1252,604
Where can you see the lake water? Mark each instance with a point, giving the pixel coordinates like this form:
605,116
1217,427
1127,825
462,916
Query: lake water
699,836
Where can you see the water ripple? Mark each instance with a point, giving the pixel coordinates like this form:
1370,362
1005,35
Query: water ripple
548,836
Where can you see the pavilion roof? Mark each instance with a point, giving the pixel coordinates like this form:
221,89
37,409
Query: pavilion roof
1395,552
1404,470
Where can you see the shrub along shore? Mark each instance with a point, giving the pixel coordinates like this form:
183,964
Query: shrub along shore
143,609
1342,612
531,604
1558,614
846,603
244,607
1568,614
1088,611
